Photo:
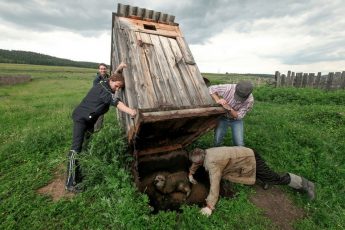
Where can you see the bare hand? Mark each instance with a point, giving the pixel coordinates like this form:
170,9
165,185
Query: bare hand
221,101
133,112
206,211
122,65
192,180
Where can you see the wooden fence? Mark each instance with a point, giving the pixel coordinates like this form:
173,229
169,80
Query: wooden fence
332,81
12,80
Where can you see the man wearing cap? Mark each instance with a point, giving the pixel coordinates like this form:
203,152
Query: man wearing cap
243,165
238,100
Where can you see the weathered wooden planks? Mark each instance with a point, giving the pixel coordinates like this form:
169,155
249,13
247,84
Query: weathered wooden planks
162,81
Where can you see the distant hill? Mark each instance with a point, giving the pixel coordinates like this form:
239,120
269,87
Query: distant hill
26,57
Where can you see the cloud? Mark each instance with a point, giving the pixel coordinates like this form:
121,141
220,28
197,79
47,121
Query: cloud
239,35
44,15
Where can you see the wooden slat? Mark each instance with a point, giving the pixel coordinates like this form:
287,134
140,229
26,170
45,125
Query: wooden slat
304,80
122,50
171,86
193,90
161,29
171,18
329,80
166,115
144,86
122,10
175,74
200,84
159,149
204,127
129,95
343,80
317,80
311,79
163,98
185,50
336,83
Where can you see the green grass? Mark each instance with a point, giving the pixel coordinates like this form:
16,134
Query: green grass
297,130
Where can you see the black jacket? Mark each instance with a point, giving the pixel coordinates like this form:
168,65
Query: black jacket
99,78
96,102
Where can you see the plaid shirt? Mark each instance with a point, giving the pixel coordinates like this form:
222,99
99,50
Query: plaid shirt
227,92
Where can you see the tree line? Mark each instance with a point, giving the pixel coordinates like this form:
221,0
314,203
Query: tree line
27,57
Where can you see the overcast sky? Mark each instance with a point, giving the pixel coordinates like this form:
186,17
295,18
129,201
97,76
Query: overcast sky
225,36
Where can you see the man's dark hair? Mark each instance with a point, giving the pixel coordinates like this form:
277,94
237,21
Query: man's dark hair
102,64
117,77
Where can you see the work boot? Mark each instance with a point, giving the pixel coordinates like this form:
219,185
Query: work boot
298,182
309,187
71,171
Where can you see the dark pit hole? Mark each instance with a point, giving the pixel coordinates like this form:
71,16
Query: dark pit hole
149,27
172,164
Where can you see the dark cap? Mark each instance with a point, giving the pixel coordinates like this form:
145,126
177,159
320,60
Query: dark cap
243,90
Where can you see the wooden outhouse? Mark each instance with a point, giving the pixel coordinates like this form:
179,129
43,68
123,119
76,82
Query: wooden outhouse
162,81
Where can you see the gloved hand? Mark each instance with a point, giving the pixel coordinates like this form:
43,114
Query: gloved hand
191,179
206,211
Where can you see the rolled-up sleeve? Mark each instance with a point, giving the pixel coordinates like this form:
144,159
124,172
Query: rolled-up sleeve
110,99
219,89
115,101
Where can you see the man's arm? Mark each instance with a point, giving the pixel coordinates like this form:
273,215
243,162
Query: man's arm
215,174
122,107
192,171
120,68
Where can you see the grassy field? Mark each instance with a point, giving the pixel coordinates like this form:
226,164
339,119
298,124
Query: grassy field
299,130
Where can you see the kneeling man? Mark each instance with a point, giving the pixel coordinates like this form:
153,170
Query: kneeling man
239,165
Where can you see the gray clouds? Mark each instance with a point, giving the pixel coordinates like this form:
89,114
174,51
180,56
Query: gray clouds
320,22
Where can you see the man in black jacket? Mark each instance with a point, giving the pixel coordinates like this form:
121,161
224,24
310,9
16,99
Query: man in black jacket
102,75
95,104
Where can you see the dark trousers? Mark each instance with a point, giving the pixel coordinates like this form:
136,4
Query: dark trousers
267,175
82,130
99,123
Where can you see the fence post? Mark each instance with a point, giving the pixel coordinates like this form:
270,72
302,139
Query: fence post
292,79
317,80
311,79
329,80
298,80
304,80
277,78
288,78
343,80
336,83
283,80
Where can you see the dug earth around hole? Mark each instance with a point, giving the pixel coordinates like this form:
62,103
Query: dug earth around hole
277,206
56,188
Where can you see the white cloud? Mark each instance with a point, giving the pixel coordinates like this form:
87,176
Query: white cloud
64,44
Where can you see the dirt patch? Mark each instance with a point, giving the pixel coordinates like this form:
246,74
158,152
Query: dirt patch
277,206
56,188
12,80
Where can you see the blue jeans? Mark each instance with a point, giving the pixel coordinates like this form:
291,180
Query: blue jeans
236,129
